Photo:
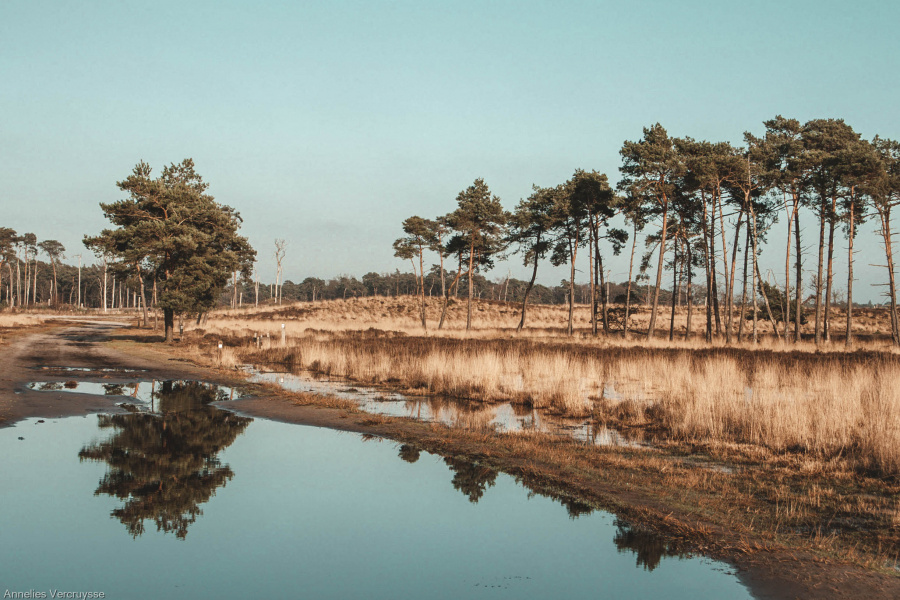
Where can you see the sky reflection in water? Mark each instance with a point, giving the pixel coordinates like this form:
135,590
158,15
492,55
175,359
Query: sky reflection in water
193,502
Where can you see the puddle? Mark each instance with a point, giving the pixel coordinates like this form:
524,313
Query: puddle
90,370
146,395
505,417
232,507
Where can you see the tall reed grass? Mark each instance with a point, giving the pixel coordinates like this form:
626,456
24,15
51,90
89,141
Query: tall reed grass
827,405
786,397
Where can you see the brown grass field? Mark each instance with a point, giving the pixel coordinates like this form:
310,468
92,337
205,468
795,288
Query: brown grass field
782,397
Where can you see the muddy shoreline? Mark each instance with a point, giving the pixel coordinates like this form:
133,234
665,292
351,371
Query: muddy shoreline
769,570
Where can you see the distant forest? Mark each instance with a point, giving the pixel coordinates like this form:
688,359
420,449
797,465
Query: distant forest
123,290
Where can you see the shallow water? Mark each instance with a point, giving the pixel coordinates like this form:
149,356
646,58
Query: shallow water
144,395
503,416
192,501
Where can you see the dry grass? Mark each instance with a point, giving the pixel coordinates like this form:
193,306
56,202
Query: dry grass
17,320
825,406
492,319
17,324
786,398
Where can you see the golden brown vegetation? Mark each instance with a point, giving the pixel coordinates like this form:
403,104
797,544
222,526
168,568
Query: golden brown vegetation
494,318
19,320
774,396
16,324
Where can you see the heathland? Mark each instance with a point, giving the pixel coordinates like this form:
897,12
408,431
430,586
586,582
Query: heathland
779,397
786,441
777,457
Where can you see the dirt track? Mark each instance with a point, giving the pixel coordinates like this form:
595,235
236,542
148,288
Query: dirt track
74,344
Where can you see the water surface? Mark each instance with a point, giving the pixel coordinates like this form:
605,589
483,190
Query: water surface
191,501
453,412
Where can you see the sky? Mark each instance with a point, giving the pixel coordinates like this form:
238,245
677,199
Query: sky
328,123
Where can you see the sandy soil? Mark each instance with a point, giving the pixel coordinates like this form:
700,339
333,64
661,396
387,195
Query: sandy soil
69,344
770,572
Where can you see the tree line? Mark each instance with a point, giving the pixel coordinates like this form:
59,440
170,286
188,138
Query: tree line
698,204
29,281
399,283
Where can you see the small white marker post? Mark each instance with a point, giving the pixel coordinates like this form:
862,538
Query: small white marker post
220,351
282,335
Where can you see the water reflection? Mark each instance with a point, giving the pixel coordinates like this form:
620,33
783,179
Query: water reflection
350,519
471,478
453,412
141,394
409,453
649,547
163,465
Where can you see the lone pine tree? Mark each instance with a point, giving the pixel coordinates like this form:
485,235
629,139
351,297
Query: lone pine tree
178,235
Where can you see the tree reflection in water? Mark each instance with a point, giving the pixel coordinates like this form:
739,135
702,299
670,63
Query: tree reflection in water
473,479
409,453
470,478
650,547
164,465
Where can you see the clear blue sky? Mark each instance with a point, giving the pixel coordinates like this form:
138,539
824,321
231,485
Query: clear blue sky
328,123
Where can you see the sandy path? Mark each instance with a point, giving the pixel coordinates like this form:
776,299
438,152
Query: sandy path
75,344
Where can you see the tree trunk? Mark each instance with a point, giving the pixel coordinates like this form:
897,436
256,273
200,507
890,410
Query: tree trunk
628,289
818,325
725,271
756,283
604,288
690,290
443,282
530,285
453,285
766,301
573,252
830,261
471,266
591,275
422,287
54,296
659,269
143,298
740,334
604,291
886,234
786,313
729,276
712,263
848,340
27,280
674,289
169,324
798,282
707,269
